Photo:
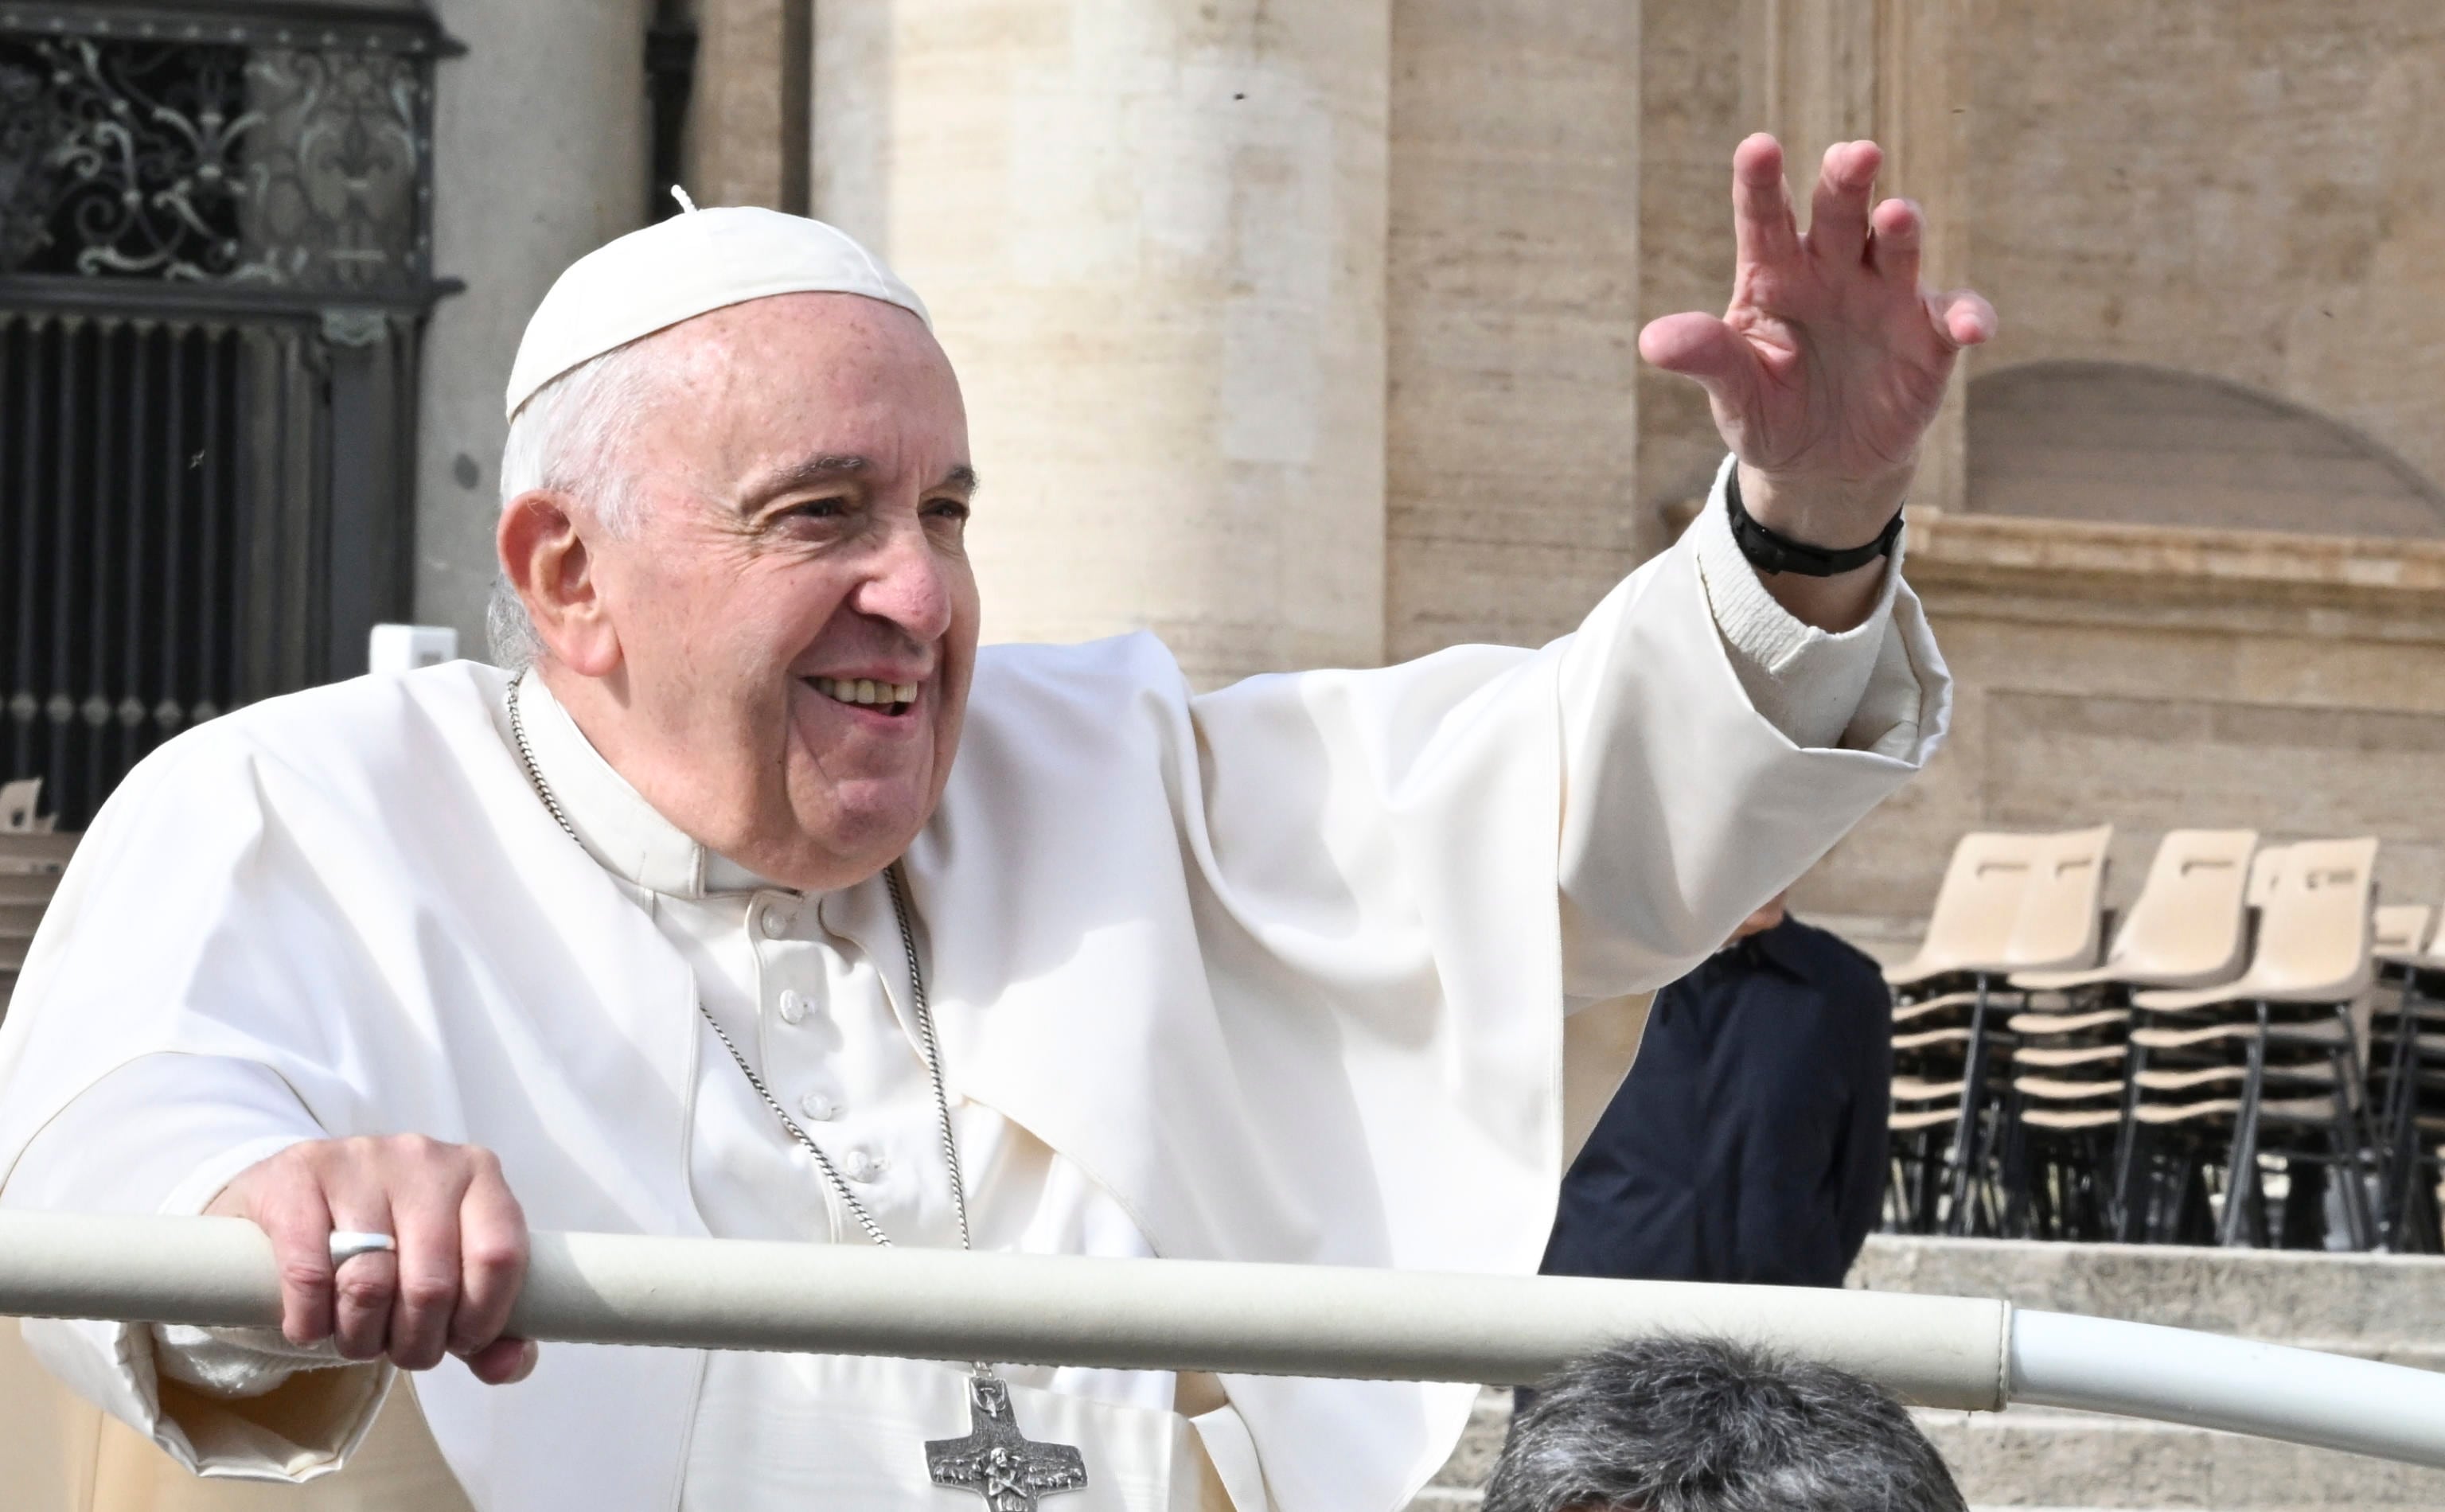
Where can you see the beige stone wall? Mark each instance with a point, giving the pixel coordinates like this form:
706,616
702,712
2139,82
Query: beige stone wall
1512,318
748,135
2253,190
1695,108
2162,679
1152,236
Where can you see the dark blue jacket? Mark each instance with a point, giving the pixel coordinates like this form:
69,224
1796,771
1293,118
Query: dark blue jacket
1748,1141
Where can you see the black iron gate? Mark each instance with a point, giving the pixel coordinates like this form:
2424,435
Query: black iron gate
215,270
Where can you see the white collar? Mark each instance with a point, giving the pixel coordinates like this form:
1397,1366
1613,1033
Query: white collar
615,823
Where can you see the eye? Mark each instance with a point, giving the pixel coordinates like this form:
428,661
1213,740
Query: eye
947,508
817,509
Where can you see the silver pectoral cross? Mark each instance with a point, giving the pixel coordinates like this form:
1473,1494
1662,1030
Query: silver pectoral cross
997,1461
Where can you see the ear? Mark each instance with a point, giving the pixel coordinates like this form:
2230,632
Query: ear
550,565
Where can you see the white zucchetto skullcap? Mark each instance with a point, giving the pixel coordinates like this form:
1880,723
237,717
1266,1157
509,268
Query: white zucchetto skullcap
681,267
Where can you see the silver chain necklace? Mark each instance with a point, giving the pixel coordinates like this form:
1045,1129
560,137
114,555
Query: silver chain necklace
994,1459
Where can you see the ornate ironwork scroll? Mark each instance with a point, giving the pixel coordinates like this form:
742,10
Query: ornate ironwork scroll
216,261
274,155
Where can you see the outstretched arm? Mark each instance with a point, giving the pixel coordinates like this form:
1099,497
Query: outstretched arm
1828,365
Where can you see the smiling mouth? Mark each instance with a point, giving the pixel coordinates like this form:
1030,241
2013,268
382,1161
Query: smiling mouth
865,693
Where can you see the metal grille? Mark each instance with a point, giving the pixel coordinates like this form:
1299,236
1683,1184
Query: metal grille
214,267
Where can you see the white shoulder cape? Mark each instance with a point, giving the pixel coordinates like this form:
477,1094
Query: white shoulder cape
1283,966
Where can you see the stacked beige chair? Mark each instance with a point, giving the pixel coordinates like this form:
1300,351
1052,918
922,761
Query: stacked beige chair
2399,930
36,853
2008,903
2406,1085
19,802
2206,1058
2070,1097
30,863
22,901
1967,932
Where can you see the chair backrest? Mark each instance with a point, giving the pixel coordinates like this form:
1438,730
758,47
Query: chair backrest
24,854
18,801
2186,928
1970,928
2263,869
2057,925
2398,928
2313,938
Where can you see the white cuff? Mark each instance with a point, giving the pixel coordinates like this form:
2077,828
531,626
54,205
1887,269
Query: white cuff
1806,683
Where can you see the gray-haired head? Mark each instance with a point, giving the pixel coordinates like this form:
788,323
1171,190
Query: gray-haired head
1683,1424
565,438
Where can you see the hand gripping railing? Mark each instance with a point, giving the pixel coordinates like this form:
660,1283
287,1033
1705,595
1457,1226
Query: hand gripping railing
1946,1352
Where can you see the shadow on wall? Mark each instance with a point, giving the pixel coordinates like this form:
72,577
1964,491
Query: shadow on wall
2127,443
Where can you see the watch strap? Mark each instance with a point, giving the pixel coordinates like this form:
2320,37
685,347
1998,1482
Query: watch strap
1772,553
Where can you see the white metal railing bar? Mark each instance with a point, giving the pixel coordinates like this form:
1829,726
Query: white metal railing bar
1961,1353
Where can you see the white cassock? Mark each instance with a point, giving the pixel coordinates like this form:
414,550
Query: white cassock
1276,973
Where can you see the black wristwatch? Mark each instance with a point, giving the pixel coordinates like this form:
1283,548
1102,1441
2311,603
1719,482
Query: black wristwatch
1769,552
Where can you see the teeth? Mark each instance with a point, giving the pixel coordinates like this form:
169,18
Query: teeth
865,691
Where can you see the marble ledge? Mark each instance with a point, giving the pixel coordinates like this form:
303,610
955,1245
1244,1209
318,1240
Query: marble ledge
1948,547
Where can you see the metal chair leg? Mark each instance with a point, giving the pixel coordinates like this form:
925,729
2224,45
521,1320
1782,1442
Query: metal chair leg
2126,1145
2346,1137
2012,1165
2396,1153
1968,1148
2241,1170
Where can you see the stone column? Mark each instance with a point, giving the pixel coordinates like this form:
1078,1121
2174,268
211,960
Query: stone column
1513,284
1824,71
747,131
539,158
1151,233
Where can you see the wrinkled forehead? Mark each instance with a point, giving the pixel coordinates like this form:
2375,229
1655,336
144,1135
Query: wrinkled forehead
807,374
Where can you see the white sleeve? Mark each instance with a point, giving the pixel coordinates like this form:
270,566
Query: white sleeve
1713,749
130,1144
1813,686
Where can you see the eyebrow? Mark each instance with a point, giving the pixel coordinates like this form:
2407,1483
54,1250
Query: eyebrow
833,466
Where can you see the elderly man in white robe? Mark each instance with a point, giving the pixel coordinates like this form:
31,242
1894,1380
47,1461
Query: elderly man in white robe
694,926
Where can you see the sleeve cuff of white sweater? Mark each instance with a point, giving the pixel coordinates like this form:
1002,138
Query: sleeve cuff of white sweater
1806,683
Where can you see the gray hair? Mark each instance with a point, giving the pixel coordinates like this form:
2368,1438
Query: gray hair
566,439
1693,1424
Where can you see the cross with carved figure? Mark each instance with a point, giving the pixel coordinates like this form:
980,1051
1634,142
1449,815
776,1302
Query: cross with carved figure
997,1461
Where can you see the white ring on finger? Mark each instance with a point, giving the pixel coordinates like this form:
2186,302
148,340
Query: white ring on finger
347,1244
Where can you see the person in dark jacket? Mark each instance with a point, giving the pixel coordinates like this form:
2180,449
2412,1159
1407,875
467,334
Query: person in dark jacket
1748,1143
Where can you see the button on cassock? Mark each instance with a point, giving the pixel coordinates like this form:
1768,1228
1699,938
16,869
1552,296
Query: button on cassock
793,1007
776,919
821,1109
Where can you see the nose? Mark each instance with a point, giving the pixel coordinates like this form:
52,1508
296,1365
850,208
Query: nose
908,585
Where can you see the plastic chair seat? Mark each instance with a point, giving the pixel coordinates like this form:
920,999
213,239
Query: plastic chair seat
2045,1023
1915,1089
2317,1071
2192,999
2055,1090
2055,1058
2289,1109
1925,1037
2326,1031
1918,1118
2072,1119
1919,1007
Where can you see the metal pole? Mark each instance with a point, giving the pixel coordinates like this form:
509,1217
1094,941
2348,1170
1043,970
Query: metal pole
1957,1352
1023,1309
2270,1391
